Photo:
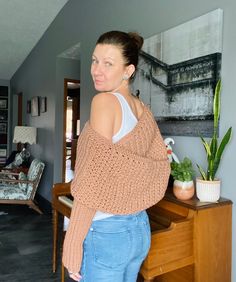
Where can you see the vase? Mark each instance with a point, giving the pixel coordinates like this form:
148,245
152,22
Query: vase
183,190
208,191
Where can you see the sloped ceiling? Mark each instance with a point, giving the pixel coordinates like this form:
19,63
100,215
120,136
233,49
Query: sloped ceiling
22,24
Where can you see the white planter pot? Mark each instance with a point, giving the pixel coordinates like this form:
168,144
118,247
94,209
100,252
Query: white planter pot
208,191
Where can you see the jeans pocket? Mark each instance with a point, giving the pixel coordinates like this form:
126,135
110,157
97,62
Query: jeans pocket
111,249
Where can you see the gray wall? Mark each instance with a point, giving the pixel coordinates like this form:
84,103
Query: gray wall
66,68
82,21
4,82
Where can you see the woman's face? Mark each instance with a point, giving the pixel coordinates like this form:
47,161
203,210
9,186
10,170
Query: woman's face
108,67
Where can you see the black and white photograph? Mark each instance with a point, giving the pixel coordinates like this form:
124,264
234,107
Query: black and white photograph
3,103
178,72
3,128
35,106
3,152
3,115
43,104
28,105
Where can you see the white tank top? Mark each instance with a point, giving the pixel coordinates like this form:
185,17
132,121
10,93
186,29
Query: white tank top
128,122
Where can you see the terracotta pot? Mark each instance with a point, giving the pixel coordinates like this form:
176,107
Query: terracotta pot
183,190
208,191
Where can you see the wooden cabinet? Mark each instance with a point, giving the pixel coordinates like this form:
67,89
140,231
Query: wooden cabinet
191,241
3,124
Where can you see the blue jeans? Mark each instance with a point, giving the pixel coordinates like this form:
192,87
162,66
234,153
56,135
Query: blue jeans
115,248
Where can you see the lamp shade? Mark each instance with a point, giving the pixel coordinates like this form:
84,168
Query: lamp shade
25,134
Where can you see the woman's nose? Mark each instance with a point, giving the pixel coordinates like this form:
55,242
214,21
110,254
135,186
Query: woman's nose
97,69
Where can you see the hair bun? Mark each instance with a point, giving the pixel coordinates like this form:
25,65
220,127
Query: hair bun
137,39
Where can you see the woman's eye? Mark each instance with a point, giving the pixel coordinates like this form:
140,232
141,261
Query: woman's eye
94,61
108,64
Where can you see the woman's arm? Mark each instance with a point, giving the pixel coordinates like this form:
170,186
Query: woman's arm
80,222
103,114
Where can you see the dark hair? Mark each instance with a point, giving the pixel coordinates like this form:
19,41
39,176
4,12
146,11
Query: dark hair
130,44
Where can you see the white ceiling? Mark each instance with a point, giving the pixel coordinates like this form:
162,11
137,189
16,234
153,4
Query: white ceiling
22,24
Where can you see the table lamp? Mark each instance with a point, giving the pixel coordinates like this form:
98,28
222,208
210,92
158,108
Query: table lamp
25,135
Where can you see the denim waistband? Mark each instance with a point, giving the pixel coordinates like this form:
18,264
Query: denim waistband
123,218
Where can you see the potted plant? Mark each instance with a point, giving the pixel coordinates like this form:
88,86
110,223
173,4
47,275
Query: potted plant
208,186
183,172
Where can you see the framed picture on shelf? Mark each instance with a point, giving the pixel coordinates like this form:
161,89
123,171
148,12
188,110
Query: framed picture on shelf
43,104
3,103
28,107
3,152
3,128
3,115
35,106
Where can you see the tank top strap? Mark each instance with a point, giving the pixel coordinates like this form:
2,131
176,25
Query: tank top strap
128,120
126,109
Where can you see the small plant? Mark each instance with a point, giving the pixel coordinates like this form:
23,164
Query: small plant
213,150
182,171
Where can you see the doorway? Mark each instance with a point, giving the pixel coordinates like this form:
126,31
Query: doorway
71,127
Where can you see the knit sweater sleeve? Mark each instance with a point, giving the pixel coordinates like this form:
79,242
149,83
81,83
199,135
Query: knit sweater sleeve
80,222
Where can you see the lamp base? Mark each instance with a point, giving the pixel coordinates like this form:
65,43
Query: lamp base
25,154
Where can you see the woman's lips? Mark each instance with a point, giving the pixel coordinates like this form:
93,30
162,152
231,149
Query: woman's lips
98,81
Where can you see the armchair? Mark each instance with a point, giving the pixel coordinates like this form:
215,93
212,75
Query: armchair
19,188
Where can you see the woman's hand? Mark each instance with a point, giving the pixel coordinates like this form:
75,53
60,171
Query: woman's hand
75,276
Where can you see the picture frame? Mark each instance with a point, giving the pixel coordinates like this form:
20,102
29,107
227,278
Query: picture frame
3,103
3,128
177,74
3,115
43,104
35,106
28,107
3,152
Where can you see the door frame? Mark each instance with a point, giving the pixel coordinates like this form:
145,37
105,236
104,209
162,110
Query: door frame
66,80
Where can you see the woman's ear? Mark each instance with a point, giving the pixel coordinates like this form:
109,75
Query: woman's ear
130,69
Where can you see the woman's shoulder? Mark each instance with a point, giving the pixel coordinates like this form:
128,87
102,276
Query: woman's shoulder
104,97
104,104
102,114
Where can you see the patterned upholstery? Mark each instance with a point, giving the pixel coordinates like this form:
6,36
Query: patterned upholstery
16,190
23,186
13,192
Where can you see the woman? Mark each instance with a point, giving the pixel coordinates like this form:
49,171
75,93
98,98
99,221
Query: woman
121,170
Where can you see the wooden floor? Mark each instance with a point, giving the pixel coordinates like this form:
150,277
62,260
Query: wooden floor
26,246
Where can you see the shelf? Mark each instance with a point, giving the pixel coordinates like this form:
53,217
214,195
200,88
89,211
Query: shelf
4,104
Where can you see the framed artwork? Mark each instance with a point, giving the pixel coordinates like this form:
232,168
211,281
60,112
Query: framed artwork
35,106
3,103
43,104
3,152
3,115
3,127
4,91
28,109
177,74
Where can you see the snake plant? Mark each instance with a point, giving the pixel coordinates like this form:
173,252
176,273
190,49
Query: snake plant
214,150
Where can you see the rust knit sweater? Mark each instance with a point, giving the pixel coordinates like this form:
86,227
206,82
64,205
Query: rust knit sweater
122,178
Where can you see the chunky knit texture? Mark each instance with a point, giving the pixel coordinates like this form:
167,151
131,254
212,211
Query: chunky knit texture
80,220
122,178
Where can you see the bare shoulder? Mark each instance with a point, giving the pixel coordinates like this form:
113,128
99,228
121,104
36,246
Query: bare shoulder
103,104
103,99
102,114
